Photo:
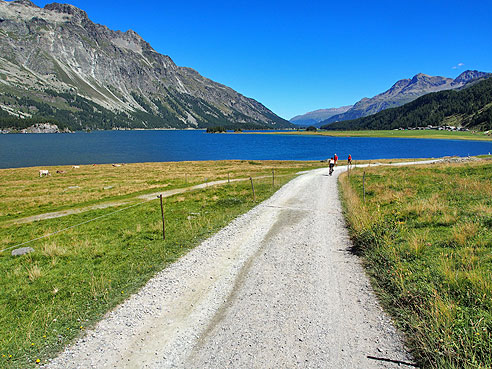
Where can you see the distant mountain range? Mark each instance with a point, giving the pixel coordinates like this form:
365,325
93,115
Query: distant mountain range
468,107
314,118
56,65
402,92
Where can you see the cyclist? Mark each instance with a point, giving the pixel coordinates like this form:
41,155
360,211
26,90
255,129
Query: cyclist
331,165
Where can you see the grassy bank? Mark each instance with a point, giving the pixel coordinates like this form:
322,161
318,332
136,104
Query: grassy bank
431,134
51,296
425,236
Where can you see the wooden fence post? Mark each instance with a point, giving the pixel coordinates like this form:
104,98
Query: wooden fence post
273,178
163,221
364,185
253,188
228,179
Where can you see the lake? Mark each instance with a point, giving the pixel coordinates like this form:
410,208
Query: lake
23,150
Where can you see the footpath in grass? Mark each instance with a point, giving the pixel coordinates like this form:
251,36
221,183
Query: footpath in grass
24,193
425,233
51,296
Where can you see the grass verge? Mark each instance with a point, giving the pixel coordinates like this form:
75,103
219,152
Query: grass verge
425,236
51,296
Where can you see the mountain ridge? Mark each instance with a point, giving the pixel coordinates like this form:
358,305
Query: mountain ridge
467,107
47,53
404,91
315,117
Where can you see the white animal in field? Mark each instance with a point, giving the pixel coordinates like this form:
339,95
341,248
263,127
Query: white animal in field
75,166
44,172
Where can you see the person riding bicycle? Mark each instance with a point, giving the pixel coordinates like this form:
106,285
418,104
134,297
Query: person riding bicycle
331,165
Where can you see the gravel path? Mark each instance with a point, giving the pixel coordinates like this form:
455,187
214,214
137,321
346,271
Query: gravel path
276,288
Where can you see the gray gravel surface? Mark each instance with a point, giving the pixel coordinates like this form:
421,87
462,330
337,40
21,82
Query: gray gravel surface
276,288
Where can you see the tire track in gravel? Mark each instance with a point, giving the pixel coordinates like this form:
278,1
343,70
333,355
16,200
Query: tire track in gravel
277,287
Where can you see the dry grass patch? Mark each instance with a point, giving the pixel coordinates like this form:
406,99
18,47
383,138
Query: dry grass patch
448,271
358,215
470,185
450,216
418,241
33,272
52,249
462,233
431,206
444,312
482,209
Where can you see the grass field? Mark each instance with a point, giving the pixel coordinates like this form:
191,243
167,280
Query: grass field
425,233
448,135
51,296
24,193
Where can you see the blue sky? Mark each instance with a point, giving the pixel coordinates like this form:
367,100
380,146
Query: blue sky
296,57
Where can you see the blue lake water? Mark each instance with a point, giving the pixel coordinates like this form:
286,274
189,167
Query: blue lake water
22,150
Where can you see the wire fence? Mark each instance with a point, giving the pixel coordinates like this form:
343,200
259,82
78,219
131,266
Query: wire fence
73,226
148,198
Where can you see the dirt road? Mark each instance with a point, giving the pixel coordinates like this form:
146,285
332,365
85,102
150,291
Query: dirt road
277,288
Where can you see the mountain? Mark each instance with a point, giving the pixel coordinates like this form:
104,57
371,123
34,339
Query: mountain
469,107
404,91
56,63
313,118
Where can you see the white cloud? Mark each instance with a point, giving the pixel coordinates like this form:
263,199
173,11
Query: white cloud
458,66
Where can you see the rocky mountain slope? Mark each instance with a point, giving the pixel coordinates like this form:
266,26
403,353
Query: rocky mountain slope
404,91
55,62
314,118
469,107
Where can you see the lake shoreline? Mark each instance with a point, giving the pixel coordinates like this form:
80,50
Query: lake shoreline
109,147
424,134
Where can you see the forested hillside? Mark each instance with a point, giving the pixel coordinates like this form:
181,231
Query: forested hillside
470,108
76,112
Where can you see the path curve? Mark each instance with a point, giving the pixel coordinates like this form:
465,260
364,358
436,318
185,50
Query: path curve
276,288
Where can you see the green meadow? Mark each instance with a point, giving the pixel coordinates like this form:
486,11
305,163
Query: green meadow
24,193
425,234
